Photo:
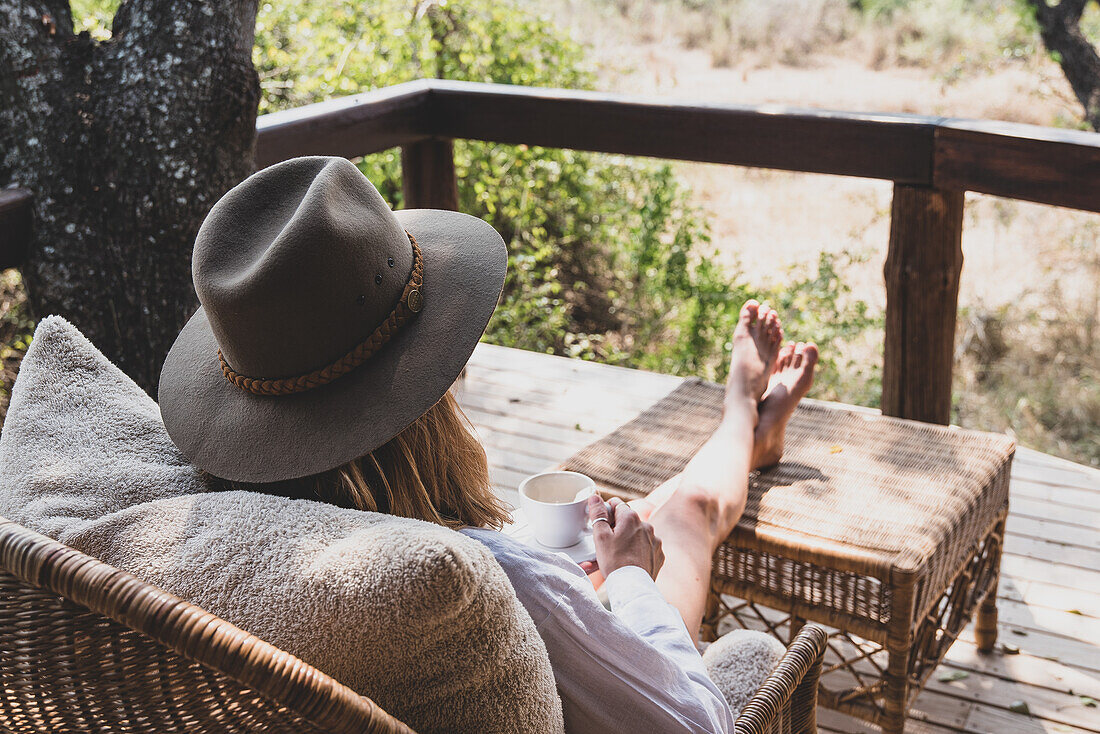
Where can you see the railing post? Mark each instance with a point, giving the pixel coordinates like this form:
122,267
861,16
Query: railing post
922,298
428,175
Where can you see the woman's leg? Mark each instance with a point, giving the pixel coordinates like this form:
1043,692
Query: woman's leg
695,511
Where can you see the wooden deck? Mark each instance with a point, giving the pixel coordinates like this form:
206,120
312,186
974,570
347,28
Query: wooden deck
534,410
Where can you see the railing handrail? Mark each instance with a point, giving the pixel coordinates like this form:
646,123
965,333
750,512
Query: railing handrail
1028,162
1013,160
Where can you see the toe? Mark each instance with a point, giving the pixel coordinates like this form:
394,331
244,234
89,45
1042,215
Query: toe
750,311
810,354
785,355
799,351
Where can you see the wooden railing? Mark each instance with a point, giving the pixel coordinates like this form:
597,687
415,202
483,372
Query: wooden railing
931,160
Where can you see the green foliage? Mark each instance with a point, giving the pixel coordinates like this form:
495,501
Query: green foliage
94,16
308,51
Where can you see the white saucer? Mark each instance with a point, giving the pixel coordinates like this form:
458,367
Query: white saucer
584,550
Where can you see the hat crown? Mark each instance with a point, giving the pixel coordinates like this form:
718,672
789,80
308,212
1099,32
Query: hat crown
298,264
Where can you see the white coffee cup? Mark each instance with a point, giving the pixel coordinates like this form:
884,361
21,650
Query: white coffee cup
555,503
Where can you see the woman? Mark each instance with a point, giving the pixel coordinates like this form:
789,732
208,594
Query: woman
319,364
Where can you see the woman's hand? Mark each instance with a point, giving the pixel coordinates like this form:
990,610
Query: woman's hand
623,539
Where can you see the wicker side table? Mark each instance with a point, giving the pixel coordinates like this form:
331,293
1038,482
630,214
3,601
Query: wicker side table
887,531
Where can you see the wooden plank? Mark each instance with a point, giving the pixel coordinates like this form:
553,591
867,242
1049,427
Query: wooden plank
1049,621
428,175
1055,532
522,428
347,126
15,226
532,386
885,146
922,294
582,403
832,721
1072,497
1053,512
1042,164
1088,489
1039,593
1057,706
574,370
1052,551
1031,457
1071,653
1073,580
984,719
1022,668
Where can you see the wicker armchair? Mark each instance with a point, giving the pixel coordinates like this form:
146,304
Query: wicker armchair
85,647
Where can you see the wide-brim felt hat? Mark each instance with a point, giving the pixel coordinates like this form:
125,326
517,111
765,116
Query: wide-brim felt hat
328,323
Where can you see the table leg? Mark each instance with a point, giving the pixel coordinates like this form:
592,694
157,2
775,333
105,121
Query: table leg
985,626
899,649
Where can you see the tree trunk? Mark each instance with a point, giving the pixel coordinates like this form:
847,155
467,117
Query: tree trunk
1060,27
125,144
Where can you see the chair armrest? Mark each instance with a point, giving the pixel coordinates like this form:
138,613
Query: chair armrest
791,688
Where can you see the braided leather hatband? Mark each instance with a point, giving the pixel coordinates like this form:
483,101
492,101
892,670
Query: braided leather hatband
412,300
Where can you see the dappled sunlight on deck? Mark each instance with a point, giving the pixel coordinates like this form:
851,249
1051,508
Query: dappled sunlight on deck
533,411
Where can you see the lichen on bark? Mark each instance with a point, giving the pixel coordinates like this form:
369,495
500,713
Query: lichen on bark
126,144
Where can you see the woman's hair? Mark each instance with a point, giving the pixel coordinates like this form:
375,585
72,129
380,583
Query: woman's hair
434,470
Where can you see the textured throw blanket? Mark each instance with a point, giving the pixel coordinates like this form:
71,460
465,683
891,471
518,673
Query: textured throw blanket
417,617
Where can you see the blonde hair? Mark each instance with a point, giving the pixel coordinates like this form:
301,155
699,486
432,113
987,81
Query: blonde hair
434,470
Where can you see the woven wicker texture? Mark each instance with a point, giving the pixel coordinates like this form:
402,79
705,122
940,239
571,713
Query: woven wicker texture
787,702
877,496
119,655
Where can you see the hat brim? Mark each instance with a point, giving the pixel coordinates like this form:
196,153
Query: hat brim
236,435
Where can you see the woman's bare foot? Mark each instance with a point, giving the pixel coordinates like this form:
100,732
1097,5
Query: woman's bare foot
756,343
789,383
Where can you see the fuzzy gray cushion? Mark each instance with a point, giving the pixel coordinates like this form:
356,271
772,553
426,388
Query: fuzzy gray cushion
419,618
739,662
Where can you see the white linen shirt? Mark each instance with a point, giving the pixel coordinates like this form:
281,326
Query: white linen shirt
633,669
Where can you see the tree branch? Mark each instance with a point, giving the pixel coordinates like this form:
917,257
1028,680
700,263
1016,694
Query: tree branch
1059,25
